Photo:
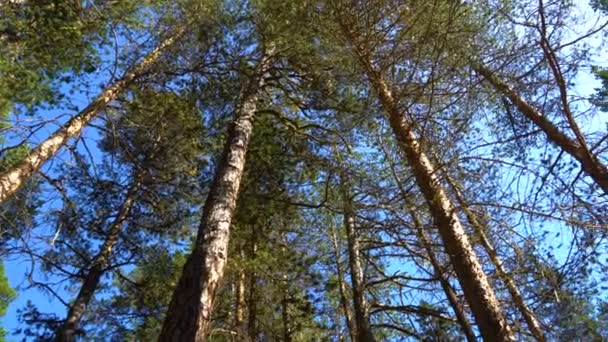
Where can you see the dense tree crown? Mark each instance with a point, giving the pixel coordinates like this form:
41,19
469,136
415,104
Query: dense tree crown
304,170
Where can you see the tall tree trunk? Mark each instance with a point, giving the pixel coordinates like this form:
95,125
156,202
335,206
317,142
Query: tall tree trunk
15,177
239,300
189,314
477,290
252,300
363,327
352,331
590,164
440,272
68,331
445,284
531,320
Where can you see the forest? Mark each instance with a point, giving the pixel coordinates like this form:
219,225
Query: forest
303,170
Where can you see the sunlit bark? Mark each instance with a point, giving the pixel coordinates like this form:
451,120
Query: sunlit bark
12,179
189,314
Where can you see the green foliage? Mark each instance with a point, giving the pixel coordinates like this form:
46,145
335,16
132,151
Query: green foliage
44,41
600,98
599,5
145,297
150,143
7,295
157,130
436,329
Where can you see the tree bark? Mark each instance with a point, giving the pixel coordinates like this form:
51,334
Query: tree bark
189,314
477,290
440,272
450,294
363,327
590,164
12,179
69,329
531,320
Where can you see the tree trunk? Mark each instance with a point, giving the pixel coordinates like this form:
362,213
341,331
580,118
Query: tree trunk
189,314
533,323
363,328
445,284
68,331
239,299
477,290
450,294
15,177
590,164
252,300
352,331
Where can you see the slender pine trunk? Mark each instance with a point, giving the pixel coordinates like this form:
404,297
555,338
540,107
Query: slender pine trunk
361,309
440,272
69,329
450,294
12,179
473,280
352,331
189,314
252,298
520,303
239,300
477,289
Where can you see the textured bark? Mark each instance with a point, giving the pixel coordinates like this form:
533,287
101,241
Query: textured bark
520,303
450,294
352,331
590,164
15,177
477,290
361,309
189,314
440,272
69,330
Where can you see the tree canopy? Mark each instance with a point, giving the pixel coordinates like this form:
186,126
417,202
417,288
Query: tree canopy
304,170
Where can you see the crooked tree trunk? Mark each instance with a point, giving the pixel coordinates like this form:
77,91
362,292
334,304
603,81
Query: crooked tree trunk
189,315
352,331
363,327
12,179
531,320
445,284
69,330
477,290
590,164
